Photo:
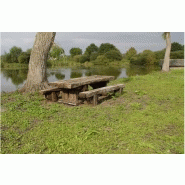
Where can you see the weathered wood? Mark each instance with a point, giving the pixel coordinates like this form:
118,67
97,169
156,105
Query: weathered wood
120,90
65,95
54,97
101,91
77,82
95,99
45,91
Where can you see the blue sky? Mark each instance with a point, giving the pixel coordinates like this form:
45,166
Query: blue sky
122,40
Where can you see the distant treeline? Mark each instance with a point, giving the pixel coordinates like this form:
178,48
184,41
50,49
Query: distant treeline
104,54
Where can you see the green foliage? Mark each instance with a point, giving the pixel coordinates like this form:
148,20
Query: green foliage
101,59
93,56
6,58
160,54
15,52
113,55
77,58
24,58
177,55
90,49
59,76
75,51
105,47
75,74
131,53
176,46
83,58
147,57
29,51
56,52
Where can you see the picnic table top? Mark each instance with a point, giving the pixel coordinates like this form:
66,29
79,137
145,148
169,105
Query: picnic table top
77,82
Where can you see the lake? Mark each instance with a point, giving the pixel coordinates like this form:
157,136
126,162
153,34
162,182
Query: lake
12,79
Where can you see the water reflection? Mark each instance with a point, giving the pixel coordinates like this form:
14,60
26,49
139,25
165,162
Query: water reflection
17,76
14,79
59,76
134,70
101,70
76,74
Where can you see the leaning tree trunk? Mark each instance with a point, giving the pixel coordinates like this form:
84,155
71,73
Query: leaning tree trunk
166,63
37,78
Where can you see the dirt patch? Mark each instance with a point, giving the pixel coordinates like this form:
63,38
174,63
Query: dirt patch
169,130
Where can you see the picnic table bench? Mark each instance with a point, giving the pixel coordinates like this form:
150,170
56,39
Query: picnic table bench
72,90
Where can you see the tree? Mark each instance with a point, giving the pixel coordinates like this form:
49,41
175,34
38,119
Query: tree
176,46
90,49
105,47
113,55
75,51
131,53
37,78
14,53
147,57
6,58
166,63
56,51
24,58
83,58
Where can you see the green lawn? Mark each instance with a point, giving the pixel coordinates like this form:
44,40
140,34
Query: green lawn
147,118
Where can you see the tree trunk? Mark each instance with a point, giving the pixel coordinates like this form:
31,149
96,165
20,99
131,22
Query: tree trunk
37,78
166,63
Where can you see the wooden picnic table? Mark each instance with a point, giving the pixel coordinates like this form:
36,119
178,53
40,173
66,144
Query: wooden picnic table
71,88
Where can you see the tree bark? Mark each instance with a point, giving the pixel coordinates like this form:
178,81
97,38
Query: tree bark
166,63
37,78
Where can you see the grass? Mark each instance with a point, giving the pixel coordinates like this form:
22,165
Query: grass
147,118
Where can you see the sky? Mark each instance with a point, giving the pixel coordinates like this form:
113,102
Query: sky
122,40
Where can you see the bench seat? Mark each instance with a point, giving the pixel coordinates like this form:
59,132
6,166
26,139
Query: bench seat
100,91
51,93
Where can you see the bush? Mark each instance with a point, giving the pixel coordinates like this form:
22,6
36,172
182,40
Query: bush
131,53
125,60
147,57
177,55
93,56
101,59
75,51
77,58
105,47
6,58
90,49
83,58
176,46
24,58
15,52
113,55
160,54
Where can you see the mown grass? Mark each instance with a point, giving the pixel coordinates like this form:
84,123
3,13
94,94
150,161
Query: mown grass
147,118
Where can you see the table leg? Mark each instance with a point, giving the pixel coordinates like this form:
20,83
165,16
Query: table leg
53,96
70,96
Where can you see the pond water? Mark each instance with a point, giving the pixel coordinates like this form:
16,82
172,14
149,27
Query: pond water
12,79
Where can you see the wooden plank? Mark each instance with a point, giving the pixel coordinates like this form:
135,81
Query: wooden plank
54,97
77,82
103,90
65,95
95,99
45,91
